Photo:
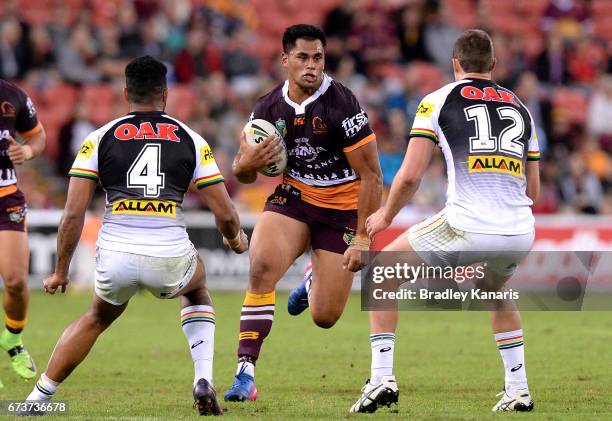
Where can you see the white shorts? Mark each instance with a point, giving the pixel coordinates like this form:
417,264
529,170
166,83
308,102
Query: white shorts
120,275
439,244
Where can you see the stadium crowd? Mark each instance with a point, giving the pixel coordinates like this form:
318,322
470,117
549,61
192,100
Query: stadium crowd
70,55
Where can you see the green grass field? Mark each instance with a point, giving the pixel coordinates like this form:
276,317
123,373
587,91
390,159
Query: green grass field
446,363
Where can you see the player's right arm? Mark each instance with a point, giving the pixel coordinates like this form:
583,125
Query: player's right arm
252,157
80,192
30,129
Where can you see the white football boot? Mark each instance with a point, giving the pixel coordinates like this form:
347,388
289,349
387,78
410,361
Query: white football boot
518,400
384,393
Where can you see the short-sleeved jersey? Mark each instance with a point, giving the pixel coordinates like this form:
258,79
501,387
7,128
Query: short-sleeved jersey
486,135
17,115
318,133
145,162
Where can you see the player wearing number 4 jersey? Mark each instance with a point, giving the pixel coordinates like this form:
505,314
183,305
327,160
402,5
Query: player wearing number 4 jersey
488,140
145,161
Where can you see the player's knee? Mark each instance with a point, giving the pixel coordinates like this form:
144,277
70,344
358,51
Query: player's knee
260,270
324,320
98,320
15,284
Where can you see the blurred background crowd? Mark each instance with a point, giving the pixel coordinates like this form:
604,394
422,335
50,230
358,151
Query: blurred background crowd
69,55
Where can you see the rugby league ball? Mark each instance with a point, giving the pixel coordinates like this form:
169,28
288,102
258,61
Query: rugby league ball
255,132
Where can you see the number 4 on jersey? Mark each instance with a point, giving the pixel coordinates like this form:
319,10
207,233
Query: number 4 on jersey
144,172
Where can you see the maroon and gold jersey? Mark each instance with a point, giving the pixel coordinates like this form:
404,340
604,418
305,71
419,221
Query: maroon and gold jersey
17,115
318,133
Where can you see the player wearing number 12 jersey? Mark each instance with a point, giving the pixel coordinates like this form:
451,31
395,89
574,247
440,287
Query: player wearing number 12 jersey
488,140
145,161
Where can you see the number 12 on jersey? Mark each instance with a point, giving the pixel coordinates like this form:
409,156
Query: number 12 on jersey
144,172
509,137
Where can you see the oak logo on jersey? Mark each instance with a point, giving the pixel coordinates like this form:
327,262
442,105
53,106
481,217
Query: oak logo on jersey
145,207
425,109
207,155
488,94
495,163
86,149
164,131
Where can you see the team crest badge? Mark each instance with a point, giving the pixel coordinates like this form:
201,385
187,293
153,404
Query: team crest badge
318,126
17,214
281,126
348,237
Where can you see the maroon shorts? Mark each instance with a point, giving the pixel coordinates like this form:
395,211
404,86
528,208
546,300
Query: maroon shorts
330,229
13,210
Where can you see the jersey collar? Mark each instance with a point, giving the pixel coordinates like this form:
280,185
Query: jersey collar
301,108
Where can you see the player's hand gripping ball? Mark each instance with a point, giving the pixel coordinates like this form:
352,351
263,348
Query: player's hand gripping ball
255,132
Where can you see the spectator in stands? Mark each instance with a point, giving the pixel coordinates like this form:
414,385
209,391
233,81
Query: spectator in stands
529,92
411,33
339,20
600,111
14,60
76,60
440,35
549,199
111,63
376,37
130,38
71,137
587,60
570,17
240,63
551,64
43,53
199,58
580,188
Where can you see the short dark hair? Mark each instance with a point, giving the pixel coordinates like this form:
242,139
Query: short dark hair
145,79
307,32
474,50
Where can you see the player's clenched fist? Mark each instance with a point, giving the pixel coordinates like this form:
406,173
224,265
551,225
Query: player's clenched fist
377,222
240,244
17,152
52,282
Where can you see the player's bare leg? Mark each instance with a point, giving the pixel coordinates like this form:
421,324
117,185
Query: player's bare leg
508,332
14,260
277,242
381,388
330,288
198,323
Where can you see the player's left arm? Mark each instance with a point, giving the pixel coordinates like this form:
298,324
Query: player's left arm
532,166
532,170
80,192
404,185
364,160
